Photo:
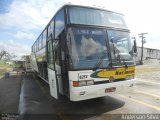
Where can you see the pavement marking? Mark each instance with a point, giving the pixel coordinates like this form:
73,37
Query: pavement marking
149,81
140,102
148,93
147,89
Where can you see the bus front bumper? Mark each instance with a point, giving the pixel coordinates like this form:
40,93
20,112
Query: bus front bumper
95,91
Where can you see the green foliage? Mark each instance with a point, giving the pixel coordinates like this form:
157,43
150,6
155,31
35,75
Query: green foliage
2,63
4,67
17,66
4,55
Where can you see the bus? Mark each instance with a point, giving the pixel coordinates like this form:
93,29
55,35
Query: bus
84,53
27,63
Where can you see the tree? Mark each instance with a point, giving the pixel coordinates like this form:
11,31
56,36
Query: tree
6,55
3,53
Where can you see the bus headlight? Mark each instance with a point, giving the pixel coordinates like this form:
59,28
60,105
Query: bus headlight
83,83
90,82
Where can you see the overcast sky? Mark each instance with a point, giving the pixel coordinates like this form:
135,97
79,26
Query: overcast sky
21,21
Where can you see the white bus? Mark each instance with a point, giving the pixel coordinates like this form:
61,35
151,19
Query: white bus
27,63
84,53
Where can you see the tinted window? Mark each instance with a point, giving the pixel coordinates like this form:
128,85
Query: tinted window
59,23
34,47
51,28
121,40
57,55
88,46
37,47
90,16
50,55
39,43
44,38
120,45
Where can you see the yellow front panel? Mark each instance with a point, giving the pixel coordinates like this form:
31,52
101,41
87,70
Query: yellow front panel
116,73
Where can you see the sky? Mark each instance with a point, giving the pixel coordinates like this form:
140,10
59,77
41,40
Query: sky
21,21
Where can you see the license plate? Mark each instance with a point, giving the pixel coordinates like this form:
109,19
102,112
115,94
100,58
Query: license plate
112,89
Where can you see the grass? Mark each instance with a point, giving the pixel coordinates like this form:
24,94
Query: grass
3,64
4,68
2,71
7,68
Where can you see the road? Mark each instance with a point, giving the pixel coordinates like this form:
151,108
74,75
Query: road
9,94
36,103
144,99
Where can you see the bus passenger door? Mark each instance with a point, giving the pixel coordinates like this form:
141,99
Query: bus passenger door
51,70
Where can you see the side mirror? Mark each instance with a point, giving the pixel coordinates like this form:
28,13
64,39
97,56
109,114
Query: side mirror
135,47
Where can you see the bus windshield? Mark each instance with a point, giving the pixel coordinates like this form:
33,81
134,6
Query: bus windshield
120,45
87,46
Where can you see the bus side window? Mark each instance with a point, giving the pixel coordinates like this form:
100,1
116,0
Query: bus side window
32,49
50,55
36,45
40,42
44,38
57,55
59,23
51,29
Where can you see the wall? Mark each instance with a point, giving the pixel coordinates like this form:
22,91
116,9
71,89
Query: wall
147,53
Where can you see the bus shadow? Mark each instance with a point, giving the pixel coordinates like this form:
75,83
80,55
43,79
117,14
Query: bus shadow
91,106
36,102
88,108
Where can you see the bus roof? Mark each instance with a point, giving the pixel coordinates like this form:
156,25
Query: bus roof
72,5
92,7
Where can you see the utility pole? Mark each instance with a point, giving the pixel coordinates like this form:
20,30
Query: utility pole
135,45
141,35
134,49
134,38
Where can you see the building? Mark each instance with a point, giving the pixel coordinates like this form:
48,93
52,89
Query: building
148,53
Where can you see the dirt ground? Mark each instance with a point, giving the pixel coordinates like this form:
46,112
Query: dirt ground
150,70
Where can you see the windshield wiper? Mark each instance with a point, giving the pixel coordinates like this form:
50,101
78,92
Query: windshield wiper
116,50
101,58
